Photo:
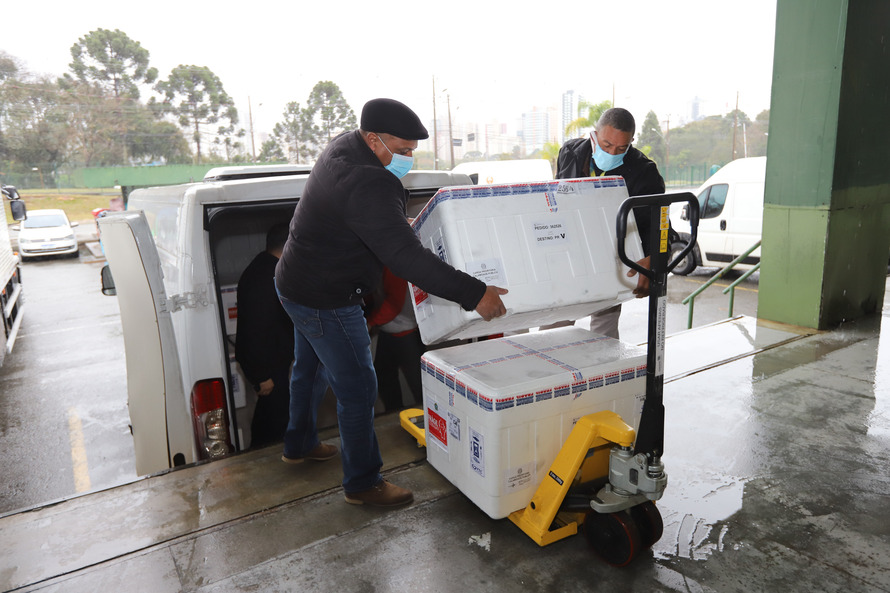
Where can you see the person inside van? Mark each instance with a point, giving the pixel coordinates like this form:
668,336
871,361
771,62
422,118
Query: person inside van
264,341
399,347
608,151
350,222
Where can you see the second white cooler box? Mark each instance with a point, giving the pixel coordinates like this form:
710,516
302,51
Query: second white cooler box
498,411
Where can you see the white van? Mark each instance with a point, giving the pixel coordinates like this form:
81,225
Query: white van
731,217
510,171
176,255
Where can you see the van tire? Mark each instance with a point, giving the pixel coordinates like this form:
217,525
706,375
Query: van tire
688,264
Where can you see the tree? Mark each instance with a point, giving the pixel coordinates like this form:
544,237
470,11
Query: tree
294,133
149,139
271,152
113,61
10,66
35,125
588,115
551,153
329,113
196,97
650,136
231,142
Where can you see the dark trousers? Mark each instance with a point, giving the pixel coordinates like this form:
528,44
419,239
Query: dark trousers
395,353
270,416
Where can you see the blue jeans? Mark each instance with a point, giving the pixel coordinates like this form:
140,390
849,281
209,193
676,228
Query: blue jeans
333,345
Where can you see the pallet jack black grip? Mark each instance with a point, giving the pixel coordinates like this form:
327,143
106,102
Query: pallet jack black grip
650,436
656,200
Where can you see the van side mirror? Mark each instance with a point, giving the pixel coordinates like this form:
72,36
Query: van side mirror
107,282
684,214
18,209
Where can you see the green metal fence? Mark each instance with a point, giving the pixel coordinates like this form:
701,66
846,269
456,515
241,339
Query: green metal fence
687,175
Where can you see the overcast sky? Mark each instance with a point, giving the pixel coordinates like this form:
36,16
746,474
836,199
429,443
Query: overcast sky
494,60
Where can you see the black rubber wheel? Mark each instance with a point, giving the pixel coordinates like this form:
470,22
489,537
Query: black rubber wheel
687,264
649,522
613,536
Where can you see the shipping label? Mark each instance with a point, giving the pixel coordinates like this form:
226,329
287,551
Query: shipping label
551,232
437,427
517,478
454,426
477,452
487,270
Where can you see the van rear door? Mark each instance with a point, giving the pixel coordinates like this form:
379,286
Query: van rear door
159,419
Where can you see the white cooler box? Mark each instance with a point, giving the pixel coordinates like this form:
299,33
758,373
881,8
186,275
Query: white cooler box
551,244
497,412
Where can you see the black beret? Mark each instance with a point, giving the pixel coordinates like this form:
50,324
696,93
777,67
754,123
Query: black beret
388,116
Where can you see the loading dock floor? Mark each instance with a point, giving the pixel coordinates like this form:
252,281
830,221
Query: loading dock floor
777,448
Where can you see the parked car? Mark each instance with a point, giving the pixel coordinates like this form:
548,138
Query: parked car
176,255
47,232
731,210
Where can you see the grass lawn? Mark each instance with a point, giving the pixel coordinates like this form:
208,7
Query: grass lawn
77,203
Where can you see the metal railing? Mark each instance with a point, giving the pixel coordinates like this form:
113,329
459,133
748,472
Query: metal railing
690,300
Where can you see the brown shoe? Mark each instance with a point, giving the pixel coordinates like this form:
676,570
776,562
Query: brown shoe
383,494
321,452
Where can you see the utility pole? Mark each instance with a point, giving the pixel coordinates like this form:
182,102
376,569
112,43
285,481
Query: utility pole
250,117
435,130
450,137
735,123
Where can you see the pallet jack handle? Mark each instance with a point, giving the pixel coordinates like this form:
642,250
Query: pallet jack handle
650,436
658,241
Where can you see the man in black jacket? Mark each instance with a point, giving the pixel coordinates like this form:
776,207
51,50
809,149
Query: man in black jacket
608,151
264,344
351,222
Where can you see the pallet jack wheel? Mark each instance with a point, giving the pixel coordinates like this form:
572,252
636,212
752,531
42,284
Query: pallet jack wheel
613,536
649,522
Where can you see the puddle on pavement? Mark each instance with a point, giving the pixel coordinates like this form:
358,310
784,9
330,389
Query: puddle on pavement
693,512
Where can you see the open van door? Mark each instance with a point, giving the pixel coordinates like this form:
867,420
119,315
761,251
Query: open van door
160,422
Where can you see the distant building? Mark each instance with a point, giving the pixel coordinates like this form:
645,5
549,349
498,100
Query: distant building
535,130
568,113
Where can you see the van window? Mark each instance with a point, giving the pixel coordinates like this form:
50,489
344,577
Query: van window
712,200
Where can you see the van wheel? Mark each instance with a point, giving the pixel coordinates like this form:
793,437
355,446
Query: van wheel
687,264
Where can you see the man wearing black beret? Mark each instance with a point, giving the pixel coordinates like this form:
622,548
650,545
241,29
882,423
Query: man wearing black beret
351,222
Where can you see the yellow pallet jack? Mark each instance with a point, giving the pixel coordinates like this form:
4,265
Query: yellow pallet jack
606,477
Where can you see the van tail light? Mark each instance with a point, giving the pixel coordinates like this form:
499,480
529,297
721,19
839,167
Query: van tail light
210,418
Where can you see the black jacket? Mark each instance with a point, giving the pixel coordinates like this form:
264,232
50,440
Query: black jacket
640,174
264,342
349,223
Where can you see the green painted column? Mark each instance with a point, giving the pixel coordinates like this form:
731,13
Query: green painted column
826,223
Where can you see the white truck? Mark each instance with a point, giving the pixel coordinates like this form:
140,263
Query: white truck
731,207
11,296
175,257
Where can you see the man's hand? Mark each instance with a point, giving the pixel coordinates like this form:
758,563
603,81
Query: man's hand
642,289
491,305
266,387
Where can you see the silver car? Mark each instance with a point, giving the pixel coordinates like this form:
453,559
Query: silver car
47,232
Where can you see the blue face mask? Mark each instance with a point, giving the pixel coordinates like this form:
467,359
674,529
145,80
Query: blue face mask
400,164
605,161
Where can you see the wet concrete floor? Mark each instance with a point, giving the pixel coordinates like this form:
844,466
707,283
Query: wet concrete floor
777,448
